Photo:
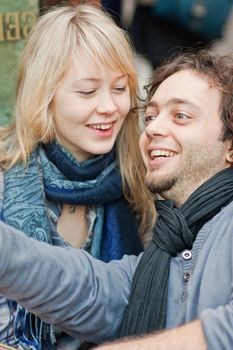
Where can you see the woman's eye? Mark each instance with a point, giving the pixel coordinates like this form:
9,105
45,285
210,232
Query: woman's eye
120,89
86,92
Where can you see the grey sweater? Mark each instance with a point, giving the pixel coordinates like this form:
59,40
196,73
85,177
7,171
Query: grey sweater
87,297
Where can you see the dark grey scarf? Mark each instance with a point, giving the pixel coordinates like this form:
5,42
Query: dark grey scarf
175,230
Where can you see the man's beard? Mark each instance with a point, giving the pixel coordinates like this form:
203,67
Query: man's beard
199,163
158,187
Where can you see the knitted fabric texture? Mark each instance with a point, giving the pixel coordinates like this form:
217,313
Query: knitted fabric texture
175,230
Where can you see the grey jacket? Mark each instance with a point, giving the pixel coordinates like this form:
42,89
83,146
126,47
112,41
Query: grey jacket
87,297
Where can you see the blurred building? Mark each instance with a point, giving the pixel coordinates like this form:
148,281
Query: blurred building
16,19
158,29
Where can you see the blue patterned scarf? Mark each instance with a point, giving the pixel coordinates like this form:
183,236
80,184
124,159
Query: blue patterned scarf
54,174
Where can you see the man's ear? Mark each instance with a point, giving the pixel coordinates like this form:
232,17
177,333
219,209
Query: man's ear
229,151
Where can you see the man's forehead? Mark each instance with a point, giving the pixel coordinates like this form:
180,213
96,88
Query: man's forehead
183,87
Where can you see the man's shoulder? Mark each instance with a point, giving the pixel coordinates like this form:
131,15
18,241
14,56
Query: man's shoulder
223,220
227,210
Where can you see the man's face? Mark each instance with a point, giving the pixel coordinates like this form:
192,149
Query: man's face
181,145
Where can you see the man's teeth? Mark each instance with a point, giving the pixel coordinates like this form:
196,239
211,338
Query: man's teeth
101,126
161,153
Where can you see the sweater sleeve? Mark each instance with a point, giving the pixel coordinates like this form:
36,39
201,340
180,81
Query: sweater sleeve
67,287
217,279
218,327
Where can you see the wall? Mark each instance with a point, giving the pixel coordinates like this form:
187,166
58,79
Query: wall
16,19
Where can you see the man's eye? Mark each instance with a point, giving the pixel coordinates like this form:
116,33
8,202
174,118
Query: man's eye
181,116
149,118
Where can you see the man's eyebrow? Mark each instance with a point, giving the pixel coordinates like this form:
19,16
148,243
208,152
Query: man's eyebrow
150,104
183,101
173,101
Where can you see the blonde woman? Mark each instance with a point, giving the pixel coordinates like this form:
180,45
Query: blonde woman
68,159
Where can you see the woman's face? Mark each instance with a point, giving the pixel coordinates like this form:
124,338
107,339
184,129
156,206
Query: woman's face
90,107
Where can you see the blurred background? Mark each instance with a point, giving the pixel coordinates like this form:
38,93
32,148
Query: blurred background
158,29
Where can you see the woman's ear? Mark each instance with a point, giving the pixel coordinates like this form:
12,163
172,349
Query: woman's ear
229,152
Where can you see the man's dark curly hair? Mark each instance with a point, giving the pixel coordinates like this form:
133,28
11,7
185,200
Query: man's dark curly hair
218,70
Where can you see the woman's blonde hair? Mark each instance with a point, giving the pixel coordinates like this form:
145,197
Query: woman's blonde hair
49,50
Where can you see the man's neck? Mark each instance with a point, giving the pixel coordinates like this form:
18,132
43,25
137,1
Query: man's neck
180,193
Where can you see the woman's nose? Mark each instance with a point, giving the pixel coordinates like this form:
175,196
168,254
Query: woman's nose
106,104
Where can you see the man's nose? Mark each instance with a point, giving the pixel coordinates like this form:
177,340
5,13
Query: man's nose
157,127
107,105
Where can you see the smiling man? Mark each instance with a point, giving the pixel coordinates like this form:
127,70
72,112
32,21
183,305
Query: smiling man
187,150
182,145
183,282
